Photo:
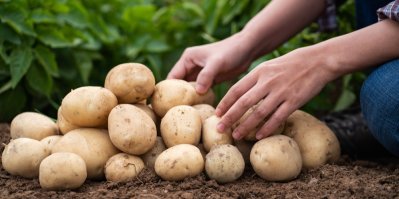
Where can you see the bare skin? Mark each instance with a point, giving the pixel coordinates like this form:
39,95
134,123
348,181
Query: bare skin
288,82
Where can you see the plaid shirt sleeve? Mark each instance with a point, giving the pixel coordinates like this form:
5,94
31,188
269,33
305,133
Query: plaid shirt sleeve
390,11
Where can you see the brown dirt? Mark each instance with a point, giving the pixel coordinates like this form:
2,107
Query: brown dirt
345,179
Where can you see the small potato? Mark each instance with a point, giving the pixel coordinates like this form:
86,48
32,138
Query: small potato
22,157
50,141
131,130
93,145
244,147
211,136
170,93
150,157
32,125
224,163
276,158
130,82
88,106
148,111
317,143
205,111
207,98
62,171
181,125
123,167
179,162
64,125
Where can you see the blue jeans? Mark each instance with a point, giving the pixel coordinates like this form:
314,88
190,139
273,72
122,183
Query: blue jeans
379,99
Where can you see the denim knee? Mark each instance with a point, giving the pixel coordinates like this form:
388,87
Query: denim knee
379,99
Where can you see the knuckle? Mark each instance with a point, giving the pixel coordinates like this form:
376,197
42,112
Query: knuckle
245,102
260,112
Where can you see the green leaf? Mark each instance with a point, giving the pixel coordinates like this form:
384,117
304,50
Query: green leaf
12,103
8,34
5,87
17,18
53,37
76,16
156,46
346,99
155,66
47,59
42,16
85,65
20,61
194,8
39,80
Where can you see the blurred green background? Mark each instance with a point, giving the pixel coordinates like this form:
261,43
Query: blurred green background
48,47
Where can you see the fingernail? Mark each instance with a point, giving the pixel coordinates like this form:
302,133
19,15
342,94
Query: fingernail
236,135
259,136
220,127
218,112
200,88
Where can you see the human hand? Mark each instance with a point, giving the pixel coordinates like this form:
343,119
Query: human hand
284,84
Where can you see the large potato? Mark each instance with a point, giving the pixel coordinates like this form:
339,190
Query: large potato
93,145
276,158
317,143
179,162
244,147
64,125
207,98
61,171
181,125
224,163
150,157
148,110
130,82
123,167
211,136
131,129
205,111
50,141
88,106
32,125
22,157
170,93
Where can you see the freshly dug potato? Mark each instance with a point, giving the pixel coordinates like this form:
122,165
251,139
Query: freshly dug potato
317,143
148,111
170,93
181,125
276,158
32,125
93,145
131,130
211,136
123,167
88,106
50,141
205,111
179,162
130,82
207,98
150,157
61,171
224,163
244,147
64,125
22,157
200,146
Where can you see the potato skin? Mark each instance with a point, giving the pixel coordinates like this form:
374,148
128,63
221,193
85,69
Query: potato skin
88,106
179,162
317,143
211,136
50,141
148,110
224,163
170,93
32,125
150,156
205,111
131,130
22,157
61,171
130,82
181,125
208,98
276,158
123,167
63,125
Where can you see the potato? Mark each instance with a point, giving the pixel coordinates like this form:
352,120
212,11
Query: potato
22,157
205,111
170,93
148,111
50,141
123,167
200,146
131,130
181,125
276,158
88,106
244,147
224,163
64,125
32,125
179,162
93,145
211,136
61,171
130,82
207,98
317,143
150,157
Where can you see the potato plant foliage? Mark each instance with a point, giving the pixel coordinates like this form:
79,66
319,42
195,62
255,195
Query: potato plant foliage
48,47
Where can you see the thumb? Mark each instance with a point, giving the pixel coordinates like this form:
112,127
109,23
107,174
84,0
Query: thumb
206,77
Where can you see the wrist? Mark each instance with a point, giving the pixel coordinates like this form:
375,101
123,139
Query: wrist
251,44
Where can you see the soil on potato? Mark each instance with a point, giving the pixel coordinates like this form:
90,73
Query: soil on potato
345,179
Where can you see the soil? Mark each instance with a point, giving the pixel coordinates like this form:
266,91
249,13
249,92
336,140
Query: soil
347,178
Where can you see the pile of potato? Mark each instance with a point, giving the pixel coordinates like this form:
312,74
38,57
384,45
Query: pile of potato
111,132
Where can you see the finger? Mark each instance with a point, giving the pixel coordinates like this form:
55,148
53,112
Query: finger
192,76
182,67
258,116
277,118
206,76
